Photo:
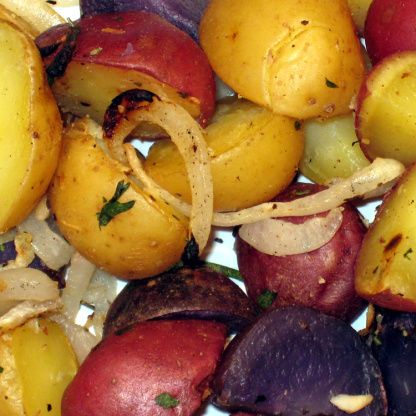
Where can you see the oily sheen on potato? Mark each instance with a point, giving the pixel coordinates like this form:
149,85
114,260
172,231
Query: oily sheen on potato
384,272
254,155
145,239
30,127
299,58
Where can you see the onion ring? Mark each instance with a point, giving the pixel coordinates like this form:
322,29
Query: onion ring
135,106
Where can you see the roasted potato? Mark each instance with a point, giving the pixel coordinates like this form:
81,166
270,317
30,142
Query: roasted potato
302,59
153,369
386,115
37,363
141,238
296,361
30,127
254,155
322,279
385,271
332,149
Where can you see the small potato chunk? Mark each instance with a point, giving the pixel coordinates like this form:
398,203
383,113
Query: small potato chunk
144,240
254,155
332,149
30,127
385,268
299,58
386,113
37,363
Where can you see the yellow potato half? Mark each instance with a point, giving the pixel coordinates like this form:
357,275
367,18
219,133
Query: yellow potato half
254,155
37,363
30,127
300,58
142,241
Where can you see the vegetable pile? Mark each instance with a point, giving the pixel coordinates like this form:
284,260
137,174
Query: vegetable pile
233,99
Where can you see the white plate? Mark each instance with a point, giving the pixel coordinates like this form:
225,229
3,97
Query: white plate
221,249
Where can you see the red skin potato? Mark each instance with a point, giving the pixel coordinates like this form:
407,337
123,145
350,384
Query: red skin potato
144,42
297,279
390,28
124,374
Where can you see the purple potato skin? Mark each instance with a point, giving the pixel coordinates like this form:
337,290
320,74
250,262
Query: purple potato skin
322,279
291,361
393,342
184,293
185,14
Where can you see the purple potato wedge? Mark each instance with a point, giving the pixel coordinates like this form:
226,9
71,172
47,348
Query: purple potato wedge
184,14
393,342
322,279
292,361
183,293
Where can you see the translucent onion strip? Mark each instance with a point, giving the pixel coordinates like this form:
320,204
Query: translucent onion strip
380,174
27,284
26,310
282,238
187,135
77,281
50,247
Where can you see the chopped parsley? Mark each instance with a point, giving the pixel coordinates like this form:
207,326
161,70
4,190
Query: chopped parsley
166,401
1,369
2,247
301,192
113,207
407,254
266,299
96,51
330,84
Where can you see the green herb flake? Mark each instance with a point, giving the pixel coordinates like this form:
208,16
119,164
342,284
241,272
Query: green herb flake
407,254
1,369
266,299
113,207
298,125
166,401
2,247
330,84
96,51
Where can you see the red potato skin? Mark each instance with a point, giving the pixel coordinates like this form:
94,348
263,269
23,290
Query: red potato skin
124,374
166,53
322,279
390,28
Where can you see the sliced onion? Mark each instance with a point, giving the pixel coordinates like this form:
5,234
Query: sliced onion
282,238
77,281
42,210
50,247
26,310
369,181
371,177
81,339
24,252
27,284
187,135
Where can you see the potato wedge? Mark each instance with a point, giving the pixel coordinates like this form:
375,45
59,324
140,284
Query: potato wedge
30,127
254,156
300,58
144,240
385,268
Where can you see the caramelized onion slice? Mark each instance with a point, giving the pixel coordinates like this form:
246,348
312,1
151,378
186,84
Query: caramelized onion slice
283,238
27,284
381,174
378,173
50,247
135,106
